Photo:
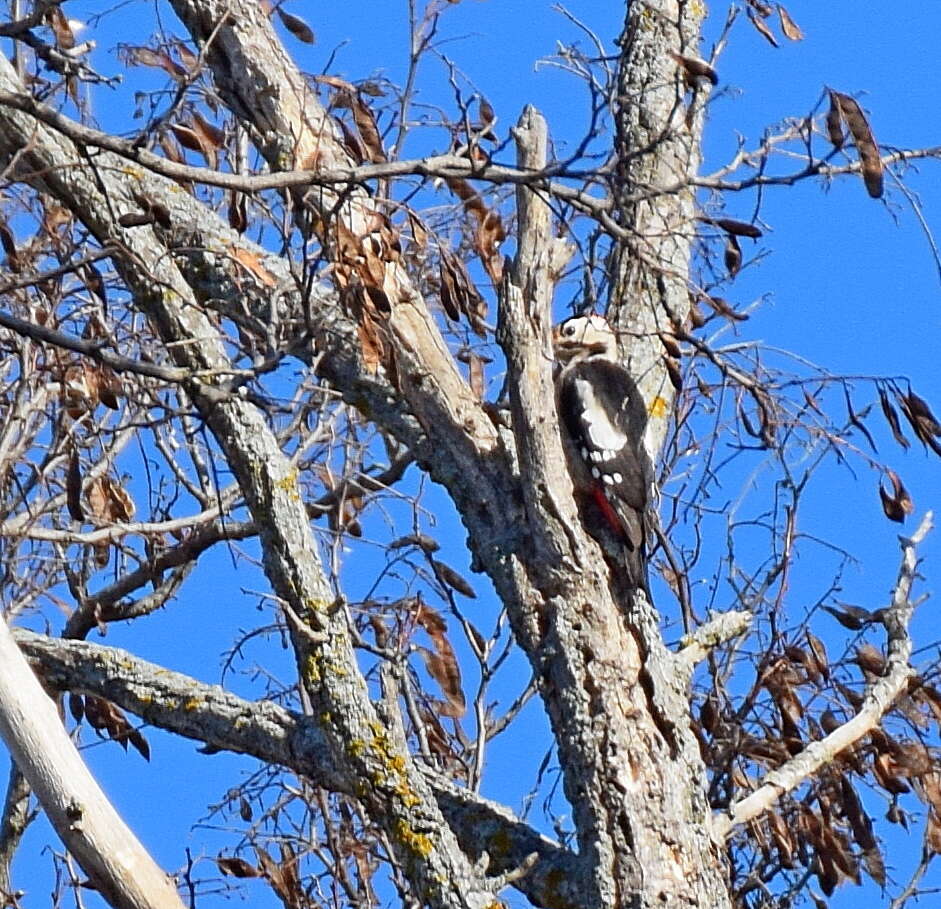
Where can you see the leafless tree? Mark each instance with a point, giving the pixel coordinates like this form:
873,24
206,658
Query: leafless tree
270,352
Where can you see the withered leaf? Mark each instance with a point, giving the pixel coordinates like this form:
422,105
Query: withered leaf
835,121
147,56
236,867
453,579
419,231
368,130
855,618
296,26
245,809
238,211
674,372
819,654
933,834
892,418
459,294
443,668
763,28
275,876
76,706
695,69
141,745
65,38
885,770
421,540
8,242
733,226
441,663
670,344
869,660
136,219
790,28
866,147
252,262
73,487
898,504
732,256
921,419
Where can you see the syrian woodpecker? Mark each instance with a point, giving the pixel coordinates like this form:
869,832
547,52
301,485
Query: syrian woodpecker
602,418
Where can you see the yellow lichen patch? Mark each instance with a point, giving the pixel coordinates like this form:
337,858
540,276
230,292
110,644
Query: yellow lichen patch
419,843
658,407
191,704
288,483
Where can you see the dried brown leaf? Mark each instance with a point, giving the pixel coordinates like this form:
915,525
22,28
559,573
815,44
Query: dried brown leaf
148,56
695,69
866,146
732,256
453,579
835,121
892,418
791,29
368,130
296,26
855,618
73,487
870,660
819,654
236,867
898,504
732,226
763,28
252,262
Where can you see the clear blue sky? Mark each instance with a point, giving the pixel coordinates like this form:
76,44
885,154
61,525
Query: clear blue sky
850,284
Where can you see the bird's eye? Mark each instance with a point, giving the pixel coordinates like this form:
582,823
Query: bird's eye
568,330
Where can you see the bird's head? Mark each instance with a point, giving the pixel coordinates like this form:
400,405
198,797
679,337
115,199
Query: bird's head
583,336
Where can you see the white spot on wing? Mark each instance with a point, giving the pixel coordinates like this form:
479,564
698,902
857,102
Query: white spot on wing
595,472
618,478
608,479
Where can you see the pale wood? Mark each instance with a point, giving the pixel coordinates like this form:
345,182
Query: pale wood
87,823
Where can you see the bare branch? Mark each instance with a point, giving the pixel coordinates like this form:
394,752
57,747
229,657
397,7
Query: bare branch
121,869
878,700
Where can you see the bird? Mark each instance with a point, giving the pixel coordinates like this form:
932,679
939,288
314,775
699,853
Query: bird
602,419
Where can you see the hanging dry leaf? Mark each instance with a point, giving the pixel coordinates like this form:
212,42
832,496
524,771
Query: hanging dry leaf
732,256
722,306
898,504
835,122
818,653
790,28
695,69
892,418
866,147
236,867
147,56
732,226
73,487
296,26
441,663
855,618
57,21
251,261
368,130
763,28
453,579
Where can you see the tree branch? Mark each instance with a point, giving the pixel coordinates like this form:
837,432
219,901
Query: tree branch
262,729
878,700
106,848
